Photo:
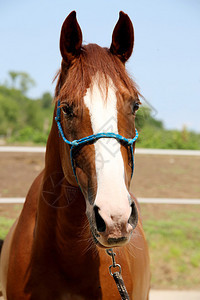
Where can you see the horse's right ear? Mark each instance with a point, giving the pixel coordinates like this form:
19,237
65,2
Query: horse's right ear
70,38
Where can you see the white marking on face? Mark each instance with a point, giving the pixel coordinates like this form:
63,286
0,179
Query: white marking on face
112,194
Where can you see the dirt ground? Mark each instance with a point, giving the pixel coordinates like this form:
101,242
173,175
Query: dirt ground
155,176
166,176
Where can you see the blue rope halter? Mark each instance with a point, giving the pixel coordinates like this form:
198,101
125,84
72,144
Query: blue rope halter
92,139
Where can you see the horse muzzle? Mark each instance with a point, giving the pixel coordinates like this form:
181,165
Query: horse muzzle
114,230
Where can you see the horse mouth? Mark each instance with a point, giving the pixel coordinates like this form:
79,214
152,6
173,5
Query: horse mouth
117,241
110,242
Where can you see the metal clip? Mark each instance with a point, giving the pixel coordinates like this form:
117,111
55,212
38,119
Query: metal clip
114,265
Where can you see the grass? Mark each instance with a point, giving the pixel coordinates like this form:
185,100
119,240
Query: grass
5,224
174,242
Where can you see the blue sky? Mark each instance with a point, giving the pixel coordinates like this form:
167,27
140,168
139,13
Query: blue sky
165,62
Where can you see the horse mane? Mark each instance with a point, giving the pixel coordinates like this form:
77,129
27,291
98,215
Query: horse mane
74,80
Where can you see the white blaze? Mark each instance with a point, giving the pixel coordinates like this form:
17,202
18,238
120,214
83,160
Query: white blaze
112,194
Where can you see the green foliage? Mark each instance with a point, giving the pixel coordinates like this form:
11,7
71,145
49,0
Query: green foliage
13,75
28,134
26,82
5,224
46,100
144,118
153,134
153,137
24,119
22,79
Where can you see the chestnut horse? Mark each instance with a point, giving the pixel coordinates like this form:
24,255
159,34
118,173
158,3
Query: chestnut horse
80,204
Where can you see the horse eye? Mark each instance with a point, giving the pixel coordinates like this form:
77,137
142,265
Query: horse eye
136,106
68,110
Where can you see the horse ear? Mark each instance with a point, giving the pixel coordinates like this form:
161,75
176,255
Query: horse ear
70,38
123,38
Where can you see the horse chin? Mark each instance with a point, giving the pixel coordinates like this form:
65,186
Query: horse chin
110,242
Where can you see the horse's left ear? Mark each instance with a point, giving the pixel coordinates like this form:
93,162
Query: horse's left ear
70,38
123,38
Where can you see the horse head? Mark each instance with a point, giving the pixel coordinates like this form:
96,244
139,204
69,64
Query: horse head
96,95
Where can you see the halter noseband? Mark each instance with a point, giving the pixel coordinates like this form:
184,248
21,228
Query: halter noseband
92,139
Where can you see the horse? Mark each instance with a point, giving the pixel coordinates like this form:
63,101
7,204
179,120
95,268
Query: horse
80,205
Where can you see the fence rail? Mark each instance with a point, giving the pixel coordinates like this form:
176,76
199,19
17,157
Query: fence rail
138,151
141,200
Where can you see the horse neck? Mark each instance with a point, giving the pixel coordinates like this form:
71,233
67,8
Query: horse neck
61,208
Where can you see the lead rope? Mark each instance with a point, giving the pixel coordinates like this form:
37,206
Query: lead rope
117,276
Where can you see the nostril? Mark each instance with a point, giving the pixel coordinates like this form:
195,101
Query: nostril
133,220
101,226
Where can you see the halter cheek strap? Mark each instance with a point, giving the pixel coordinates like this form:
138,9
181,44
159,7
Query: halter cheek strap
92,139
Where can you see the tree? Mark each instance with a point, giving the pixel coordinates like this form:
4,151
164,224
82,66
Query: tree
26,82
46,100
13,76
144,118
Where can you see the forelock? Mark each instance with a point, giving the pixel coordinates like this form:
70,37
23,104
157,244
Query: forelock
74,81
